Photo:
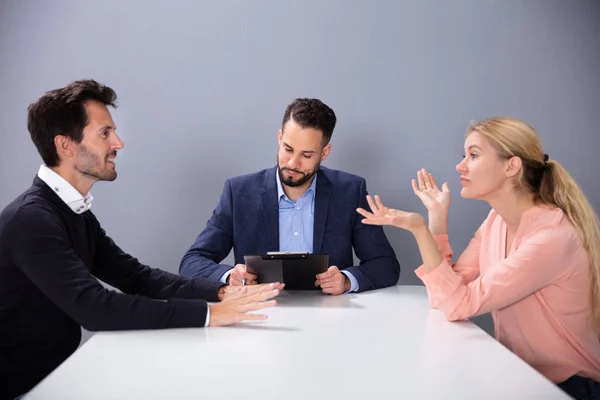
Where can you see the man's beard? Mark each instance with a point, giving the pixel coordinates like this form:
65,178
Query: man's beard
89,164
301,181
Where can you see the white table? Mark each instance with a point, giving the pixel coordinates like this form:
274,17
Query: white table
380,344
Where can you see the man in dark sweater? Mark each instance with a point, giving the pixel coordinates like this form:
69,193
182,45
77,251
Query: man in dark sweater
52,249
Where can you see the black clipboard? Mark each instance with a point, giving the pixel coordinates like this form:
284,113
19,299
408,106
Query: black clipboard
297,270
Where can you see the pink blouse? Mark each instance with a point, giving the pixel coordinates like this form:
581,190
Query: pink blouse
538,295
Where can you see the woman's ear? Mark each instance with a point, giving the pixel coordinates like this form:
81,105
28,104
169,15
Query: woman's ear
513,166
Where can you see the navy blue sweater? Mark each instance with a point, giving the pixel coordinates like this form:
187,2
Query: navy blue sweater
50,258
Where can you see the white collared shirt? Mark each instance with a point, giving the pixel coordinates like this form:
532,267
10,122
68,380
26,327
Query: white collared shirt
65,190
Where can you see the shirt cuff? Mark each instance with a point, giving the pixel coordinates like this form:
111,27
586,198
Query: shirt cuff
225,276
440,237
207,316
353,281
441,282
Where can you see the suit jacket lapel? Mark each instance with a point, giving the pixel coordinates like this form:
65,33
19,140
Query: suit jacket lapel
322,196
270,209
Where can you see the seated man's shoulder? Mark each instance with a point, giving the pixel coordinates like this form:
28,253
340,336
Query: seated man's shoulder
338,177
250,180
28,208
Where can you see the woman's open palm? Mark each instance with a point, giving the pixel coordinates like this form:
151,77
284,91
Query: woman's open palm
427,190
382,215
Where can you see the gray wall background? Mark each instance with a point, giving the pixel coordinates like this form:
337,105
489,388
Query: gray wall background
203,85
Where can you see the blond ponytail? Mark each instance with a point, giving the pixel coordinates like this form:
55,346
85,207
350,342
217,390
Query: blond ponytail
557,187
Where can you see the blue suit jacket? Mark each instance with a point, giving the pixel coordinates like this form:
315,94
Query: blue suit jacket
247,219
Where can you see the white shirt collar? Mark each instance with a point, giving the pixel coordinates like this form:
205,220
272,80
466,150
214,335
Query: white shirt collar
65,191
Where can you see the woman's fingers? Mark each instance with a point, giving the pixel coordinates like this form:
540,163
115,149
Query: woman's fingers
420,180
372,205
433,182
380,205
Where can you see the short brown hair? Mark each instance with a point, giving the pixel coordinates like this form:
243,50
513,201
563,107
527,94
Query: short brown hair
62,112
311,113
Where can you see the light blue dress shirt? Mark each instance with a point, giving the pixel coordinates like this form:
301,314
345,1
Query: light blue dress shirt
296,225
297,221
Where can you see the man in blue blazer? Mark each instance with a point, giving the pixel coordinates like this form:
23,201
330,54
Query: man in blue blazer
296,206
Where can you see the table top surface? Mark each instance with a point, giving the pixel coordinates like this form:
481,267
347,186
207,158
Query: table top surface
384,343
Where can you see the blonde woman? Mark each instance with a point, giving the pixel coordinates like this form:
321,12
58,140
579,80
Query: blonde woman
534,263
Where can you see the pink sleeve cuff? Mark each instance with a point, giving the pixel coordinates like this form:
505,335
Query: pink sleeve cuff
441,282
440,238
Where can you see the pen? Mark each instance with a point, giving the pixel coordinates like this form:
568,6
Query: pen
244,279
